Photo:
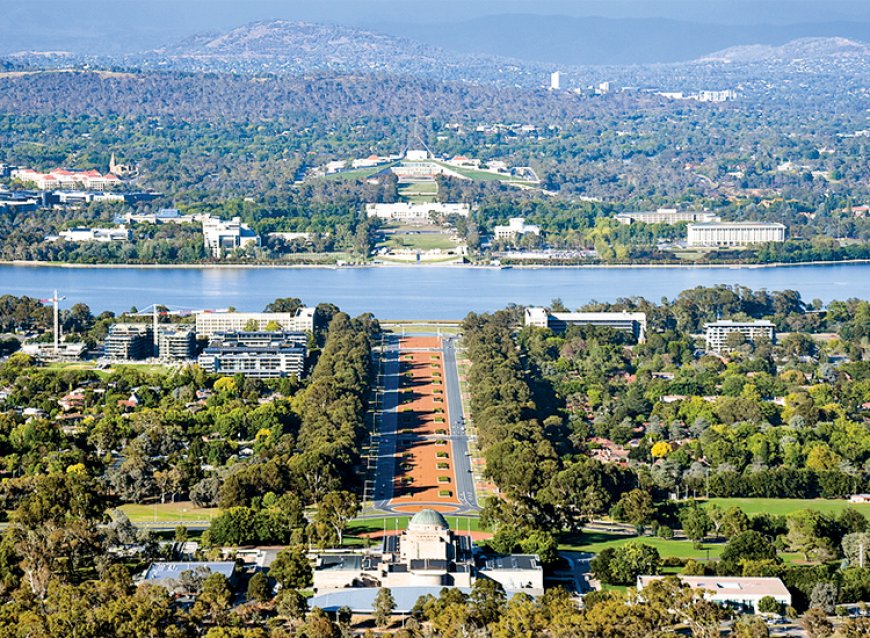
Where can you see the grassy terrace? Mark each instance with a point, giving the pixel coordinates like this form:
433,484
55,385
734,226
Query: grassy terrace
359,173
418,241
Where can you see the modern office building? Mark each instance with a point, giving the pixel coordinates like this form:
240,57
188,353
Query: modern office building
631,322
221,236
129,341
728,234
210,323
733,592
666,216
516,227
716,333
176,343
260,355
422,559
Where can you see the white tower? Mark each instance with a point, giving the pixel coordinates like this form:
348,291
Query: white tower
555,81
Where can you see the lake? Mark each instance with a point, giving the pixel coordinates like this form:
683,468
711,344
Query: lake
411,292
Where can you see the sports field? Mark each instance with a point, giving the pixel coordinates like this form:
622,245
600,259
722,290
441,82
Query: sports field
181,512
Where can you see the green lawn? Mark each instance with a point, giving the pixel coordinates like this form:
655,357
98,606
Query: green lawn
377,524
782,506
596,541
480,176
426,241
180,512
359,173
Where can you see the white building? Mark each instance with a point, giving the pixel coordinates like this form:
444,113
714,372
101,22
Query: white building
79,234
732,592
666,216
210,323
221,236
555,81
516,227
427,555
631,322
716,333
260,355
415,213
176,342
725,234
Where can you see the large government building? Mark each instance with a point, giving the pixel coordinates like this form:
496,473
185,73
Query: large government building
421,560
727,234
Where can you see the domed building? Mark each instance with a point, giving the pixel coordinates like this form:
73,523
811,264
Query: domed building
424,558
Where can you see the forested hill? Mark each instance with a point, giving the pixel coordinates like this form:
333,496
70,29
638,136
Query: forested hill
801,49
229,96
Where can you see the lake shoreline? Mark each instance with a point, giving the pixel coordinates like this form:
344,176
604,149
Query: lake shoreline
423,266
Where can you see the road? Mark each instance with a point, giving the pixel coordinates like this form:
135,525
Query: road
387,419
458,436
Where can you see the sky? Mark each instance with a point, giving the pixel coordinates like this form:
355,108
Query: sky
139,24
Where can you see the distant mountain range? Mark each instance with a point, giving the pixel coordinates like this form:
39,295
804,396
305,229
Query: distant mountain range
301,47
565,40
803,48
296,47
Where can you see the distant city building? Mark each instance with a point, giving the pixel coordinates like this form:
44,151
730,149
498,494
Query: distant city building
555,81
733,592
96,234
66,351
516,227
62,178
727,234
631,322
415,213
221,236
162,216
260,355
716,333
603,88
291,236
210,323
666,216
122,170
176,342
129,341
701,96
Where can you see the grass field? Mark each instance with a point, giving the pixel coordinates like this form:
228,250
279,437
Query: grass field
359,173
782,506
596,541
425,241
480,176
180,512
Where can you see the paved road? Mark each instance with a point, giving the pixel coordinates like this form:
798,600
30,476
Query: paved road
459,437
387,426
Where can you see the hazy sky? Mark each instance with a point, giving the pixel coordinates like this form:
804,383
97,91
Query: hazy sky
123,25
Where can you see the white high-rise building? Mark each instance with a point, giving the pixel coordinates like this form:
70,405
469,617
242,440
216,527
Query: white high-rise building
555,81
220,236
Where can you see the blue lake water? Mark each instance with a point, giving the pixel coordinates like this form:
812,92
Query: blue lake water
411,292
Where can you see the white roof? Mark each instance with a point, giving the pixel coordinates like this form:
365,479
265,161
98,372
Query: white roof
727,585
